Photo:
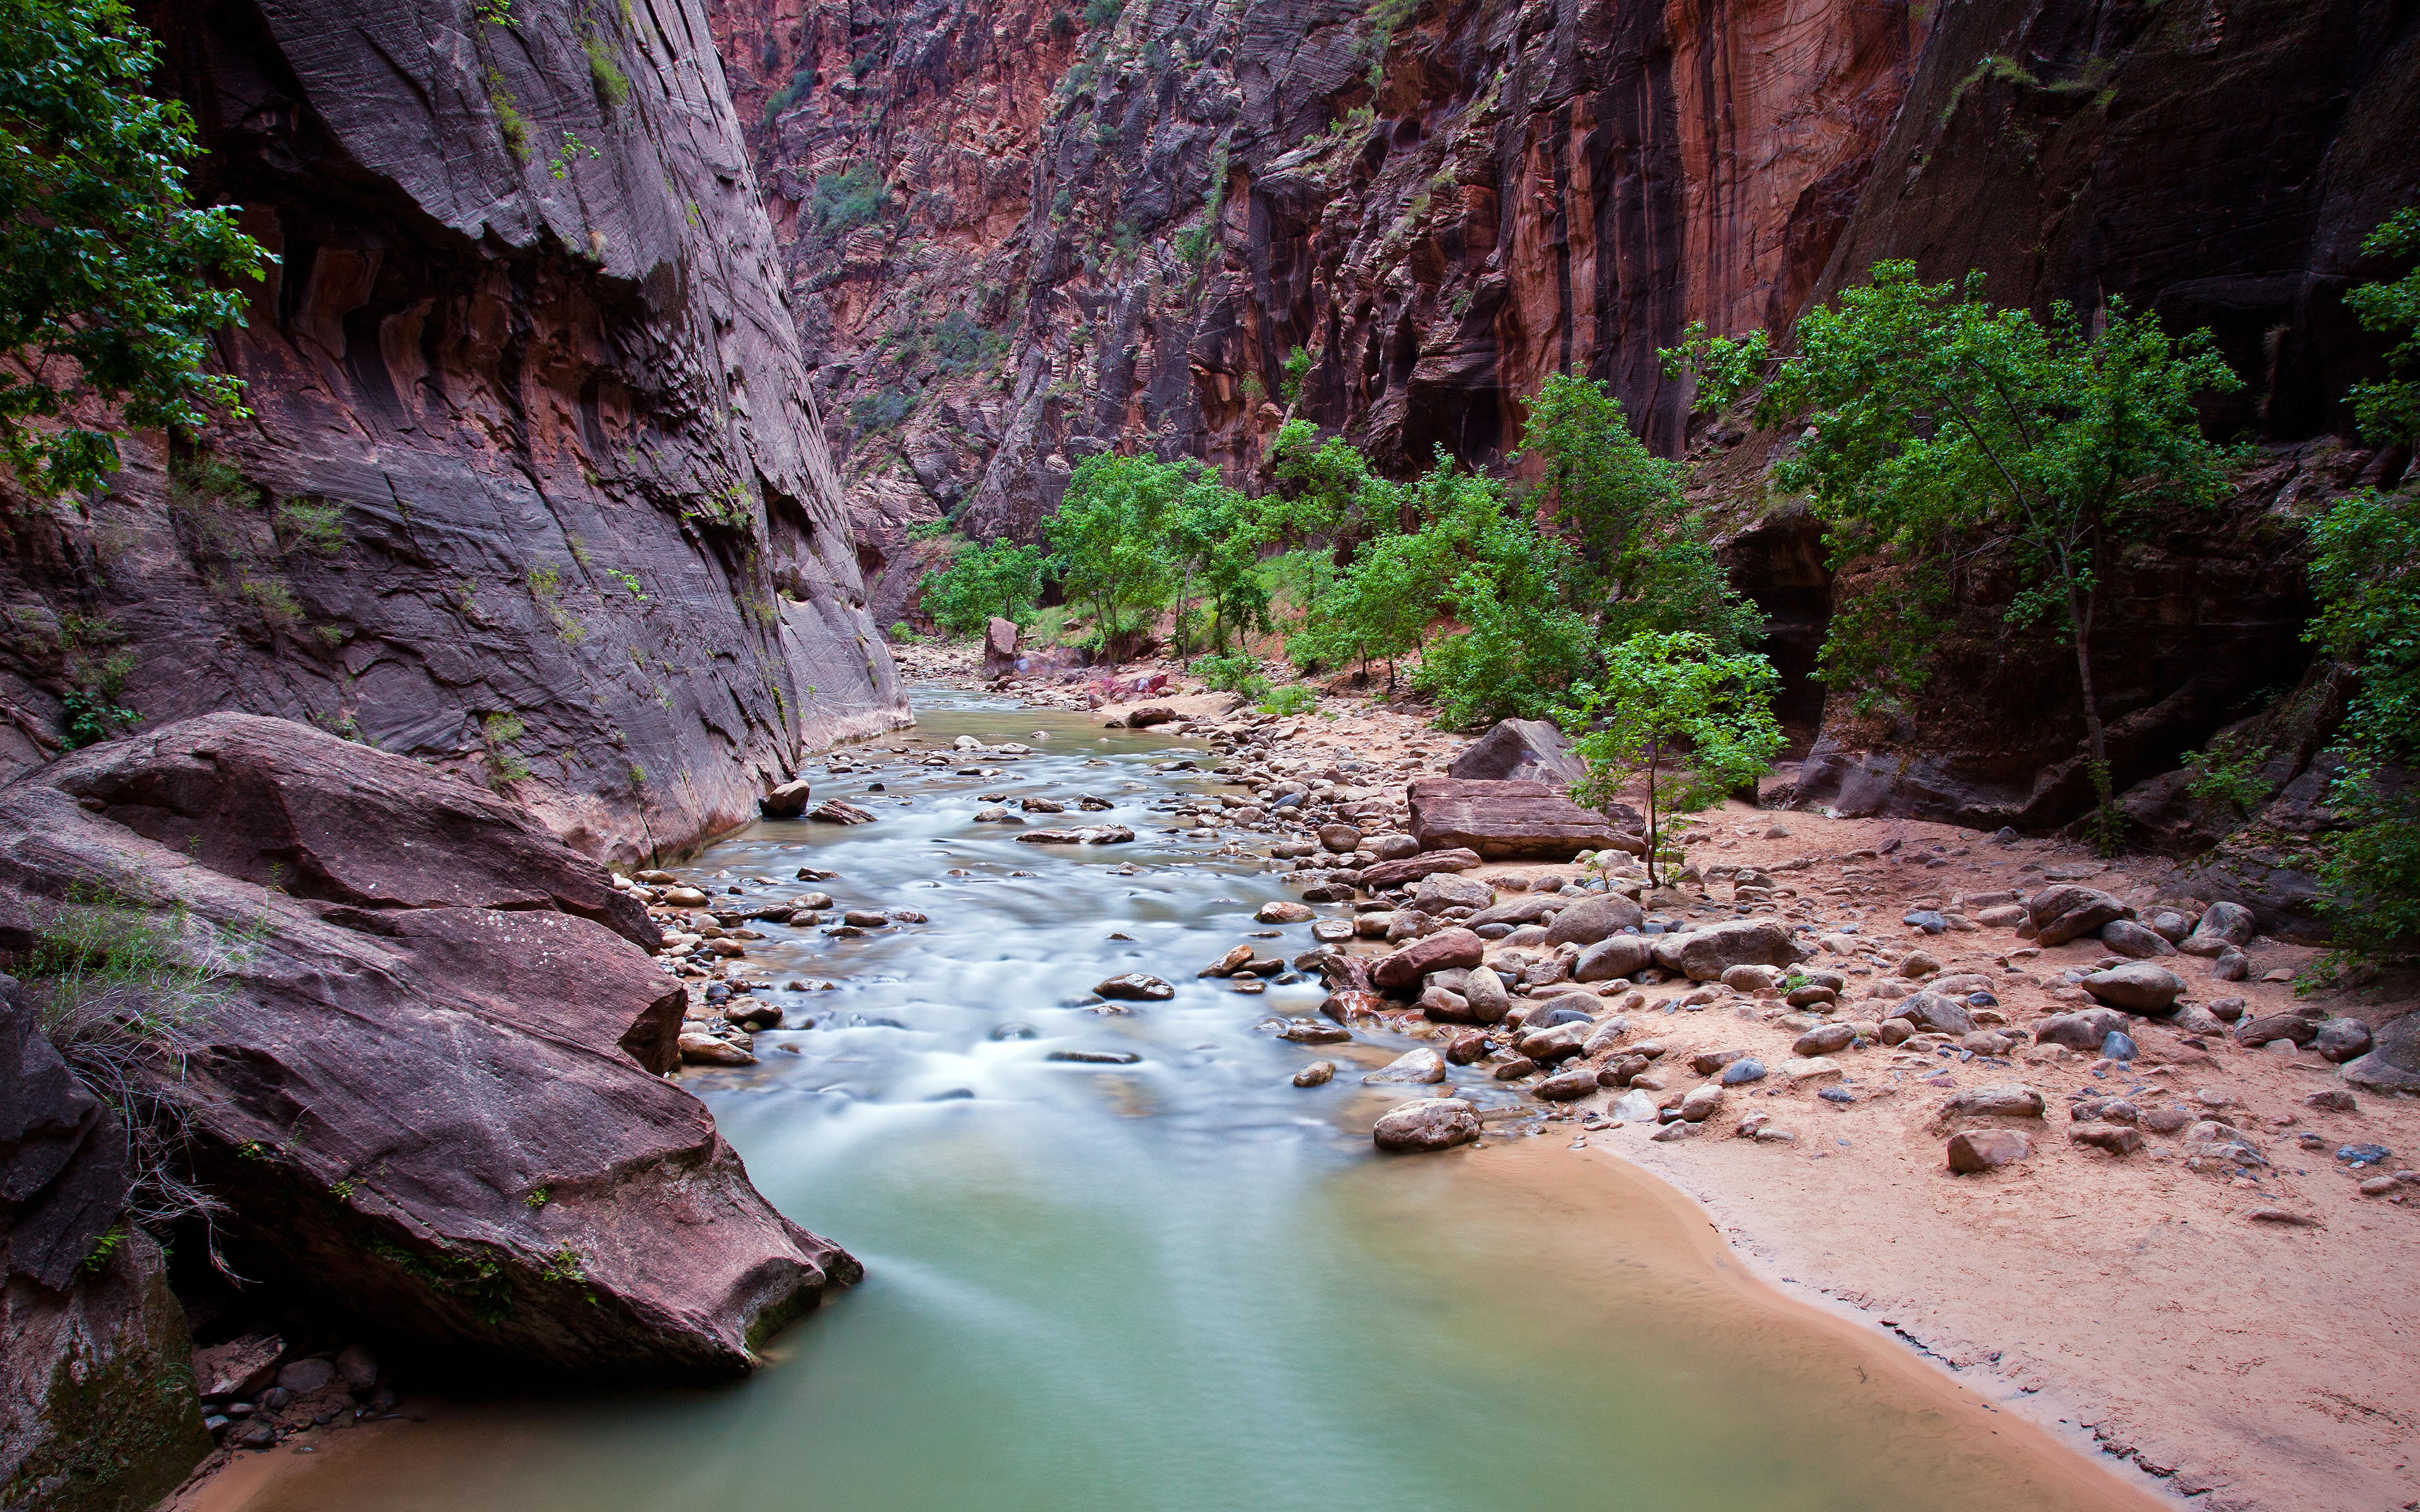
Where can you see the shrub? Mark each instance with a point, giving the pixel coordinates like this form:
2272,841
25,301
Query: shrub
1100,13
883,410
1295,698
605,71
1234,672
855,197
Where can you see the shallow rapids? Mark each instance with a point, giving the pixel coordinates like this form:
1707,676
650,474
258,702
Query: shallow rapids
1183,1285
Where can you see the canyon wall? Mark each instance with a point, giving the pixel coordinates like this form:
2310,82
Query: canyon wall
532,488
1016,233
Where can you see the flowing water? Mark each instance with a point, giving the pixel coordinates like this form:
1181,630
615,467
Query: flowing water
1184,1284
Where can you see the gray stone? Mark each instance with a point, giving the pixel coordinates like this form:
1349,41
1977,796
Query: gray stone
303,1377
1484,990
1614,958
2137,987
2127,937
1428,1123
1934,1012
2222,924
1974,1151
1519,750
1739,1073
1706,954
2341,1040
1414,1068
2067,912
1593,920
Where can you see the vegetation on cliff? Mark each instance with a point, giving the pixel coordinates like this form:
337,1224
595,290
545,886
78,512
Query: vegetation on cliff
110,277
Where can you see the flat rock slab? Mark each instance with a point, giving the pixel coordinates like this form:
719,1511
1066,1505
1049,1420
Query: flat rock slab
1387,874
1086,835
1502,820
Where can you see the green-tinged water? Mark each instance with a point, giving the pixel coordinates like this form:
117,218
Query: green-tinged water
1183,1286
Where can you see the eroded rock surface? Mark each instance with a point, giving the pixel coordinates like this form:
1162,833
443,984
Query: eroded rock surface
534,488
427,1083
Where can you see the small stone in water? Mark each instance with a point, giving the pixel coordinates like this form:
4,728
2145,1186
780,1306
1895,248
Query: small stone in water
1318,1073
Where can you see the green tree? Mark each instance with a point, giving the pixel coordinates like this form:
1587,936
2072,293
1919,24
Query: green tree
1939,426
1109,540
1645,564
1214,540
1694,722
106,267
2388,410
2365,574
1002,578
1598,481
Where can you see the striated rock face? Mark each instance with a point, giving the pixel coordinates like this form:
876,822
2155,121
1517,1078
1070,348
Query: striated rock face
426,1078
534,488
1012,241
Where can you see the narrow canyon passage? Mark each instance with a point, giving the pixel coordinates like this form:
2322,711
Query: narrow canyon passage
1182,1283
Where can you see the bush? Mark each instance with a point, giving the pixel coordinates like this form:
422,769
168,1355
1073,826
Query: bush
1100,13
2363,573
1295,698
1234,672
855,197
1002,578
883,410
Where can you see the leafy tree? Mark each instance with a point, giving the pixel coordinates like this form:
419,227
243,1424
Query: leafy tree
1002,578
2365,573
1694,722
1213,542
106,267
1108,537
1645,564
2389,411
1599,482
1940,425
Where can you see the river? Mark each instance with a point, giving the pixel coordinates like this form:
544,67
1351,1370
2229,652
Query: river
1183,1285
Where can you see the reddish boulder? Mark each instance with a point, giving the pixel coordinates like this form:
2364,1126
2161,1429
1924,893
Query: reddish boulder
1503,820
1441,952
427,1084
1387,874
1000,647
1519,750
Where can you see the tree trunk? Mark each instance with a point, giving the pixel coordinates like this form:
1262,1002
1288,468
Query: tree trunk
2080,612
1654,750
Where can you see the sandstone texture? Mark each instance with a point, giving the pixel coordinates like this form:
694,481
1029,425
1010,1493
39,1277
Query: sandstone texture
534,488
1503,820
426,1079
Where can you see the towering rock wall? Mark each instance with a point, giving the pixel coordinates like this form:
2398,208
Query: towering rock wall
533,488
1014,236
2219,164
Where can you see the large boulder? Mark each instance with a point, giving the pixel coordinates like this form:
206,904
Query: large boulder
1520,750
1706,954
1501,821
2067,912
2222,924
2138,987
2086,1031
2392,1064
1441,952
1426,1124
425,1077
1521,908
1000,647
1613,957
1441,891
1592,918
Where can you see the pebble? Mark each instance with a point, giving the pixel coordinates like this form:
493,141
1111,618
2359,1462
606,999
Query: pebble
1318,1073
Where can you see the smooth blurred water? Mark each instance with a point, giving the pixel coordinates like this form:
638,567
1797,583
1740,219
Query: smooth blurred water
1183,1286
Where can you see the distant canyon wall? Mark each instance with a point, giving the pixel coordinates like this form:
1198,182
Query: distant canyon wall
533,487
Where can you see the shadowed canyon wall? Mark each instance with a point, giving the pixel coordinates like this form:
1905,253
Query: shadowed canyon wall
1013,237
1017,234
533,487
